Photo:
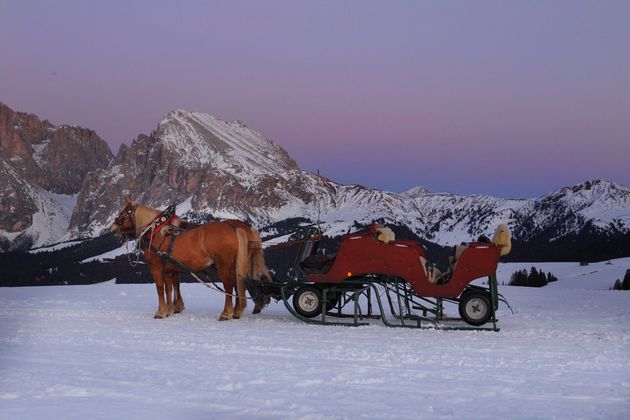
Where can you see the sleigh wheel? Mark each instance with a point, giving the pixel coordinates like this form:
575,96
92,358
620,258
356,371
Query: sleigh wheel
307,301
475,308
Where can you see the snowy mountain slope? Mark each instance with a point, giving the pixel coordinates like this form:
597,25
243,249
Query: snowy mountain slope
605,204
572,275
78,352
200,140
229,171
415,192
48,214
42,167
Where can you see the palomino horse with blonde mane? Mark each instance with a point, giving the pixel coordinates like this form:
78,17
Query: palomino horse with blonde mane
232,247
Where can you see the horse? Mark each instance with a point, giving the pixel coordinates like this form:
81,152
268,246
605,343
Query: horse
226,245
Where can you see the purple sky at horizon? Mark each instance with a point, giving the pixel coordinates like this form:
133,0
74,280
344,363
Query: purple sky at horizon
512,99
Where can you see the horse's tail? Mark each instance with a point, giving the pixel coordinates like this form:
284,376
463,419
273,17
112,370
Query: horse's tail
241,264
257,267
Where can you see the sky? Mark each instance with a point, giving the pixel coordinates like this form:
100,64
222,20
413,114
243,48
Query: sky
513,99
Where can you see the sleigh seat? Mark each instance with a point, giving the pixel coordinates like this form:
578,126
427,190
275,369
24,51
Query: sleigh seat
317,264
311,262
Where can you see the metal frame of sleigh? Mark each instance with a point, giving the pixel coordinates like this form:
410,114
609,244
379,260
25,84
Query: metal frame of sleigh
375,276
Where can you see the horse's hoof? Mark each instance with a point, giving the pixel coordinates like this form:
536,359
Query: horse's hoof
224,318
157,316
257,309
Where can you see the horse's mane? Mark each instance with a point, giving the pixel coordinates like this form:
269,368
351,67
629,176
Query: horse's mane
143,216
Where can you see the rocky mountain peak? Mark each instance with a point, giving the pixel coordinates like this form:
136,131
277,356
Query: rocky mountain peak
415,192
217,166
54,158
200,139
590,192
42,169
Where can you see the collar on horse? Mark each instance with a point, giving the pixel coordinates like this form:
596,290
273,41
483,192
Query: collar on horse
162,219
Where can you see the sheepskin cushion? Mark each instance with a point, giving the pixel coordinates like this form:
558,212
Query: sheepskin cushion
502,239
385,234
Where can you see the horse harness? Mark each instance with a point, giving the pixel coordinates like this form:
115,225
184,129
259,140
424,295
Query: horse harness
164,219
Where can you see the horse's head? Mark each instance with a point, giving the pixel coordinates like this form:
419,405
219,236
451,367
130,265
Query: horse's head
124,226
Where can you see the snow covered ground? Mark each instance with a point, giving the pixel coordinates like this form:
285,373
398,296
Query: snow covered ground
95,352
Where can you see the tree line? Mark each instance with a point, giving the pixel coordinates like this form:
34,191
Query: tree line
533,278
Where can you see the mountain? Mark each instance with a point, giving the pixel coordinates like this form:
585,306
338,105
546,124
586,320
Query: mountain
213,168
415,192
42,167
64,182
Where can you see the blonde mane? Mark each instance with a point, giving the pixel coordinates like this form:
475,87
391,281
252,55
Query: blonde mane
143,216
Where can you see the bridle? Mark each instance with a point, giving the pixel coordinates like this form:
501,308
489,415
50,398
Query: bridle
126,222
127,227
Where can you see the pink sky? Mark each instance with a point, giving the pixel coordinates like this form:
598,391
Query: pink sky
513,99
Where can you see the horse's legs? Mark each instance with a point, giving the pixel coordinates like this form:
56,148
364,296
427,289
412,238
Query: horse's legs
237,303
168,289
158,277
240,303
228,284
179,300
241,272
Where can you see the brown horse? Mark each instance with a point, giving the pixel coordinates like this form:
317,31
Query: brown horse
223,245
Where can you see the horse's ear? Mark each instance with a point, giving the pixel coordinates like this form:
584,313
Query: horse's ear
127,200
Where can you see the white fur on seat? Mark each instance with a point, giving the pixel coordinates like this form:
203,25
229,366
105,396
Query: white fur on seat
385,234
423,263
502,239
452,261
432,273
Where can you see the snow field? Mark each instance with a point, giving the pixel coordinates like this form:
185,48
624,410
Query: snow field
95,352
